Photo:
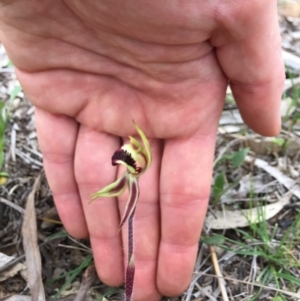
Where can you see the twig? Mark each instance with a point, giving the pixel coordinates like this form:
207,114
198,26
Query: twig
7,70
27,159
218,273
195,277
295,295
80,244
286,181
21,257
75,248
50,221
225,149
13,144
225,258
253,271
12,205
205,293
33,151
17,298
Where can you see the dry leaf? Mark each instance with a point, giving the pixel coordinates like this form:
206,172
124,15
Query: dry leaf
71,290
289,8
30,244
286,181
266,145
229,129
242,218
220,220
4,260
11,272
231,117
291,60
88,278
247,184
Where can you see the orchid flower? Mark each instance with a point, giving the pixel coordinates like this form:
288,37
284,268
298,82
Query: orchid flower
136,157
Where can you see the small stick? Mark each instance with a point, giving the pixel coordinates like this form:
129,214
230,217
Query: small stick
221,280
12,205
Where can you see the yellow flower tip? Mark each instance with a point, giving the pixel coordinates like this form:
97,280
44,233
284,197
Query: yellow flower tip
146,147
136,157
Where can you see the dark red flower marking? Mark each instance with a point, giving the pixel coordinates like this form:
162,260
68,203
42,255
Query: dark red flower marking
123,155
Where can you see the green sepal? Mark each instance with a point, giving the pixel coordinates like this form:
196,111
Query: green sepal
114,189
137,146
146,150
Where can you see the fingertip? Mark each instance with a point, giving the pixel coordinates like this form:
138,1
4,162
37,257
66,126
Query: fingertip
259,106
184,191
71,214
260,123
178,263
57,139
77,230
77,233
93,171
108,259
267,129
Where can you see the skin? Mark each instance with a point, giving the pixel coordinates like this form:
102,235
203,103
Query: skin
91,67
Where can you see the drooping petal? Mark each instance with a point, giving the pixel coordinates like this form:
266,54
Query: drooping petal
132,199
114,189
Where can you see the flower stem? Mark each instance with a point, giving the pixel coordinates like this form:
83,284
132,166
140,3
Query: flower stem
129,280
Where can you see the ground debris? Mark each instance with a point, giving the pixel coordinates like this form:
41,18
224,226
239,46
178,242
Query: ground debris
61,255
31,249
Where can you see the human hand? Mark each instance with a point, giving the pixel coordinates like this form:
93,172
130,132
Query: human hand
91,67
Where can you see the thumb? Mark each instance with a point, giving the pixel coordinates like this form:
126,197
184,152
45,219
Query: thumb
250,55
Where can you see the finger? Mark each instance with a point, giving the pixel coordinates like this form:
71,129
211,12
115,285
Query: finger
93,171
251,59
57,136
184,191
146,230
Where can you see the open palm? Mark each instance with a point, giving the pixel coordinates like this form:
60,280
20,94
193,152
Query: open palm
91,67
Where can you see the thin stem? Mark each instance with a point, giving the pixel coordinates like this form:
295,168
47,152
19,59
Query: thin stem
130,270
130,236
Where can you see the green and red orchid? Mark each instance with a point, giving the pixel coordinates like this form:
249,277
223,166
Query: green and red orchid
136,157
